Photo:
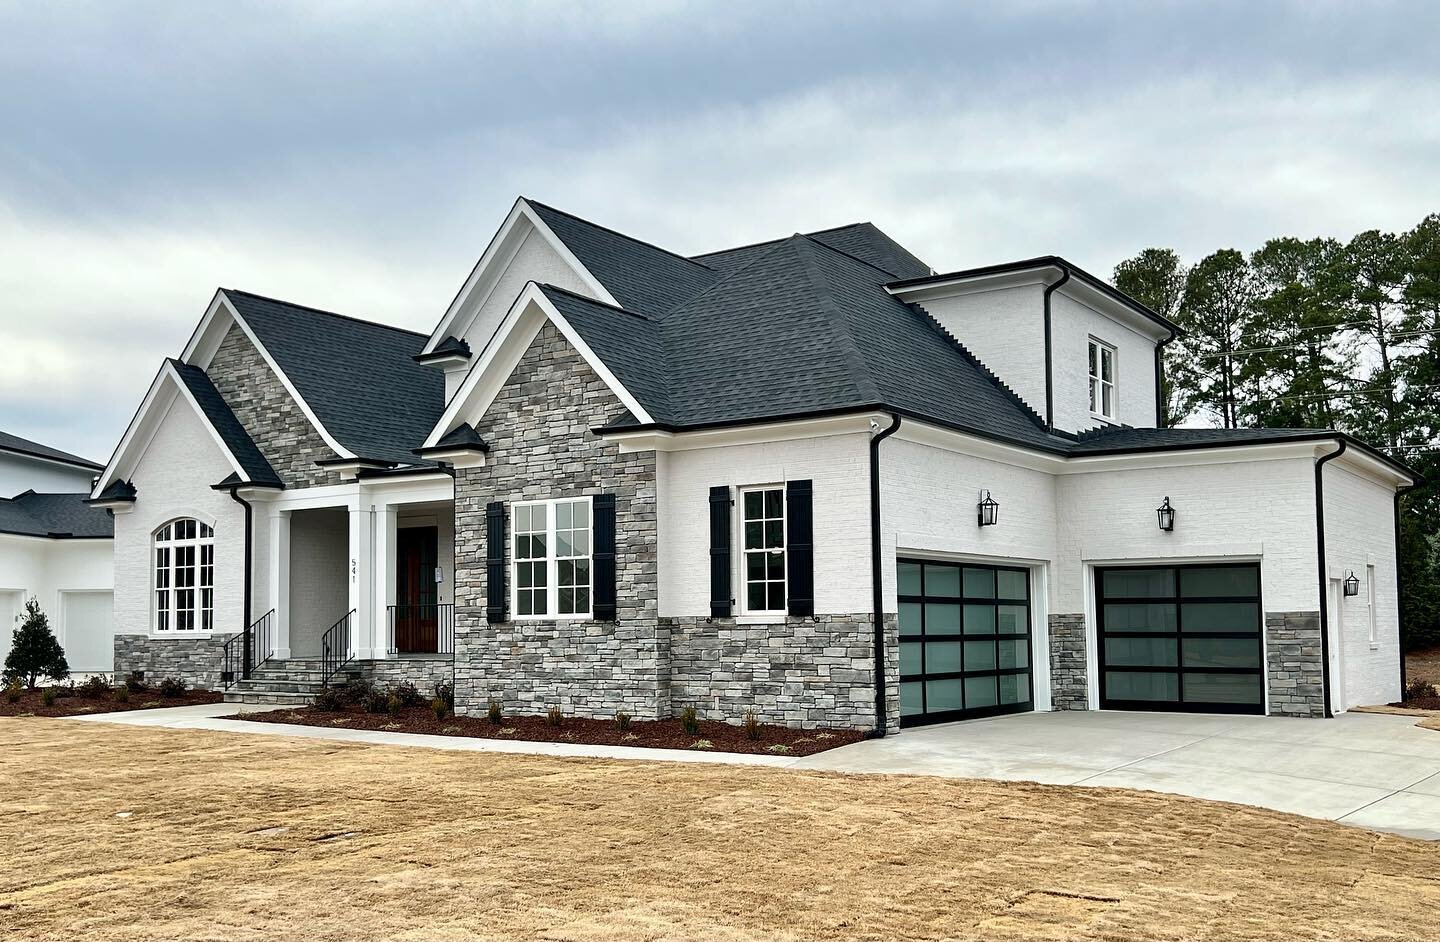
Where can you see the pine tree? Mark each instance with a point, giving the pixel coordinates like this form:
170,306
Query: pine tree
34,652
1156,279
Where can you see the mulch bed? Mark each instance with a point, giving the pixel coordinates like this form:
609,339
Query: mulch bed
653,734
70,703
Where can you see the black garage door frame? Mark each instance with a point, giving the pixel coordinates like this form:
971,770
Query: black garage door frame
1177,597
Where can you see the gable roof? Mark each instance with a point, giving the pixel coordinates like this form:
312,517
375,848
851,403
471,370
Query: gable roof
23,446
237,441
861,240
58,516
359,378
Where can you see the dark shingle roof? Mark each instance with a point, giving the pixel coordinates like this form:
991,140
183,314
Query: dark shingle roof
862,240
62,516
1123,437
641,276
359,378
23,446
117,490
231,432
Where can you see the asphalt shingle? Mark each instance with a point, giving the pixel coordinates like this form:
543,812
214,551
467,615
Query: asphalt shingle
226,425
60,516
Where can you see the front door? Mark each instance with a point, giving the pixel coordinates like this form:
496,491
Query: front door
416,591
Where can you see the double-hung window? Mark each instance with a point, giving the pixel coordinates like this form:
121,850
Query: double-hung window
551,559
1102,380
763,563
185,576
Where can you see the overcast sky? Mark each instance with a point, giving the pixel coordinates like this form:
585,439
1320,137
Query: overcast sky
357,157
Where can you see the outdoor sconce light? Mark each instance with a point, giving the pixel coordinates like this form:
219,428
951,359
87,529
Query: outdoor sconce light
989,510
1166,515
1352,585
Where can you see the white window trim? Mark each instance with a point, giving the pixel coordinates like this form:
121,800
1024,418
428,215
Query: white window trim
197,632
1370,604
744,612
552,583
1092,378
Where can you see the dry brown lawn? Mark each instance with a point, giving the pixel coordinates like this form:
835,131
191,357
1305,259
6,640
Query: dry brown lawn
114,832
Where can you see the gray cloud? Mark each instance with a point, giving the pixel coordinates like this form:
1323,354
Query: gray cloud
359,157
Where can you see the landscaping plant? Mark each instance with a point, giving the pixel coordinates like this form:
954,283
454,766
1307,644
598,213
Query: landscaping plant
377,701
495,714
1420,690
13,690
121,694
445,692
555,717
135,682
34,652
752,726
407,693
330,700
622,721
395,702
440,708
172,687
95,687
48,696
689,721
356,690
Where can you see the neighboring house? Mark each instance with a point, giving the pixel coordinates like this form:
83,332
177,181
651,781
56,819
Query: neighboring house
56,548
807,477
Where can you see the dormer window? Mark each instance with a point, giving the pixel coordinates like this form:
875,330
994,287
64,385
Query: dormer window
1102,380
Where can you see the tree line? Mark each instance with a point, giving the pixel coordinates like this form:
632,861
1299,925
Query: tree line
1317,333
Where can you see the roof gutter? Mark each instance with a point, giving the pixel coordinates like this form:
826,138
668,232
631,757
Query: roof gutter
877,577
1324,574
1049,364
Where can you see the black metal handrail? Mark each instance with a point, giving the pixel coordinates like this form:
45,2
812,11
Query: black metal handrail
335,649
417,629
248,649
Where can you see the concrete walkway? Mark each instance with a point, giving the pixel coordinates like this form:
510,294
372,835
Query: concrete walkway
1374,771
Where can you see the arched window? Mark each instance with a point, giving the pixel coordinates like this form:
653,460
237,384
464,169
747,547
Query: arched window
185,576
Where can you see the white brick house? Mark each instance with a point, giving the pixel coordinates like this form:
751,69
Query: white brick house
809,477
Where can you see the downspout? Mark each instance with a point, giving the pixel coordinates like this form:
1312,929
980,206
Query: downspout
246,656
877,575
1324,575
1049,368
1160,378
1400,590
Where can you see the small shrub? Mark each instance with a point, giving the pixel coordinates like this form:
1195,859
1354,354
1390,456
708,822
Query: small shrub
555,717
622,721
13,691
494,713
689,721
330,700
779,747
135,682
445,691
702,744
449,729
95,687
1420,690
356,691
34,651
439,708
121,694
407,693
67,690
172,687
752,726
48,696
376,701
394,703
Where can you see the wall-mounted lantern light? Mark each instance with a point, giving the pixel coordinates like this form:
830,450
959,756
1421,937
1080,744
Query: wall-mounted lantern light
989,510
1352,585
1166,515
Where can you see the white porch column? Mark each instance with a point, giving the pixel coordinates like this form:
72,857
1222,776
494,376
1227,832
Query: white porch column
384,576
362,592
279,589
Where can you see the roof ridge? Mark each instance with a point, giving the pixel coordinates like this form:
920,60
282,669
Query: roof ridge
756,245
838,251
861,368
547,286
975,361
317,310
616,232
725,277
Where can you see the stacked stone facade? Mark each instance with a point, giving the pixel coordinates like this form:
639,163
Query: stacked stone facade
268,413
1294,668
196,660
1069,671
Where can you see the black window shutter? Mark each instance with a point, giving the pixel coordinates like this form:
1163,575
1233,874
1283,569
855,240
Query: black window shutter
604,556
800,547
720,595
495,562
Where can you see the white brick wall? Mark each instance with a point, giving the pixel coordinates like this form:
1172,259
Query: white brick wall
173,480
1005,329
839,467
1359,532
1072,326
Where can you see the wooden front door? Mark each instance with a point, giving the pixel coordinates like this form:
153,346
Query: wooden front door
416,593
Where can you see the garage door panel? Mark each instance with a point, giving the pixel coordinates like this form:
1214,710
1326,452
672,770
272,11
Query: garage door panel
965,646
1181,638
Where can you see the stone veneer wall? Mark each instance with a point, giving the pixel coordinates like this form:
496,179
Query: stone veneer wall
541,447
423,672
1294,669
269,413
196,660
1069,671
800,672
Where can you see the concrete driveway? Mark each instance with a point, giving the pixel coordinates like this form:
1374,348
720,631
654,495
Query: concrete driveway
1371,770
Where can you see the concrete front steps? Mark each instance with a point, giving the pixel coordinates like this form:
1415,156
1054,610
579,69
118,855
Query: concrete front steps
284,683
